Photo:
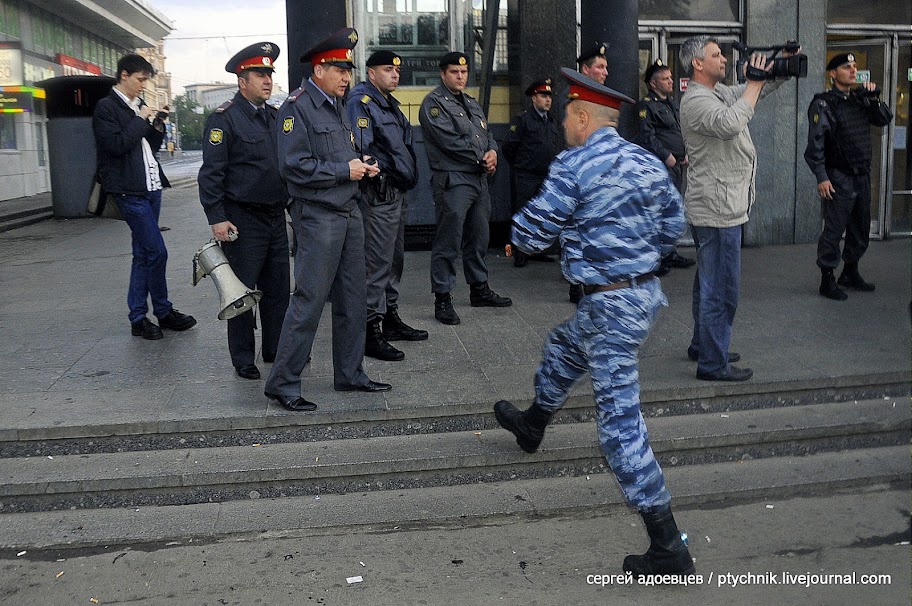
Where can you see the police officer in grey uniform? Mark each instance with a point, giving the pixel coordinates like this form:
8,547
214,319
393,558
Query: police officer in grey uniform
660,132
533,142
839,153
321,167
462,154
384,133
244,198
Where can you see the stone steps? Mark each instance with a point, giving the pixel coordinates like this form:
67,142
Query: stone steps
395,462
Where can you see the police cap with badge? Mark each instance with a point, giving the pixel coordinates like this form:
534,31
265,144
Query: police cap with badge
335,49
260,56
583,88
540,87
454,58
598,50
659,65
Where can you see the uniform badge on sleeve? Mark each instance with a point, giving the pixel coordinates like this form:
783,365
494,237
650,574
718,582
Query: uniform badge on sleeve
642,113
363,122
512,128
816,118
288,125
215,136
435,112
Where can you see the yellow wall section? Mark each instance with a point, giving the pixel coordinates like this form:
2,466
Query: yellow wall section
411,99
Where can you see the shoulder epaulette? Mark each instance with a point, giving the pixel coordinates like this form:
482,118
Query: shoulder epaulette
365,99
295,94
225,105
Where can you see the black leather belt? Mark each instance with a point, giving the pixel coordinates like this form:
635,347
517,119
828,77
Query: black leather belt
588,289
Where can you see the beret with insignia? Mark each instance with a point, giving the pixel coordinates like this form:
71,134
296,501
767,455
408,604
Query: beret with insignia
335,49
597,50
659,65
840,60
384,57
454,58
259,56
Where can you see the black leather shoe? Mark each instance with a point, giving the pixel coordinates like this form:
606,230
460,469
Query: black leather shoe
146,329
443,309
694,355
177,321
268,359
376,346
734,374
676,260
829,289
369,387
850,278
576,293
298,404
248,371
481,295
520,259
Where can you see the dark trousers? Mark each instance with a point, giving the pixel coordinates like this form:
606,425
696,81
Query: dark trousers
849,211
384,249
150,257
463,209
329,259
259,258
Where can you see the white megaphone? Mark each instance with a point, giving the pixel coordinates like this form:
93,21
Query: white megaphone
234,297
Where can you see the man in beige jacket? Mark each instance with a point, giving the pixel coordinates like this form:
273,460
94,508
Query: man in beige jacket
719,194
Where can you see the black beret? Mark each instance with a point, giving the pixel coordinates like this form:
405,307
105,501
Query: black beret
261,55
540,86
652,69
454,58
335,49
598,50
384,57
840,60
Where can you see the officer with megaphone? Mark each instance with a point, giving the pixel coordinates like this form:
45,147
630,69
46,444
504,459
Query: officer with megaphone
244,197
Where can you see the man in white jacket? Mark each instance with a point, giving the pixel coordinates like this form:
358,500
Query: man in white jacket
719,194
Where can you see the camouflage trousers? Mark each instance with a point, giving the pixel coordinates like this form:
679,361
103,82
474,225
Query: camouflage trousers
603,338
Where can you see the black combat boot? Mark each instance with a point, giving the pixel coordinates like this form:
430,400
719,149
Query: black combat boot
520,259
375,346
481,295
828,286
576,293
394,329
850,278
667,553
528,426
443,309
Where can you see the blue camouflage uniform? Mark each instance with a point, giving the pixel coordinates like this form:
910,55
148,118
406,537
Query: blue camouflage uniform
616,213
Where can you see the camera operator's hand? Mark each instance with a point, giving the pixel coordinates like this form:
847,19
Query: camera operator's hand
757,69
826,190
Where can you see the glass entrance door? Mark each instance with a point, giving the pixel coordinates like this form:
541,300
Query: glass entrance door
900,202
872,57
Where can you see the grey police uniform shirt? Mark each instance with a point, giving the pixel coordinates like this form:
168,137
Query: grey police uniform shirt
316,143
456,136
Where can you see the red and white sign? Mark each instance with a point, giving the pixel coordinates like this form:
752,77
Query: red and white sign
75,67
682,84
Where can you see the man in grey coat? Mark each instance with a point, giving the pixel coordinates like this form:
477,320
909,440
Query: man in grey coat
321,167
462,154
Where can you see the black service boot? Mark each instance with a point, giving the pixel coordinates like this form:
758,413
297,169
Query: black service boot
520,259
443,309
850,278
576,293
481,295
667,553
828,286
394,329
528,426
375,346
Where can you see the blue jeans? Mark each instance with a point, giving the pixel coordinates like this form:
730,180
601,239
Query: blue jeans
715,294
150,257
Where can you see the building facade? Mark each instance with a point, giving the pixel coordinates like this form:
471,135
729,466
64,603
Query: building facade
41,39
534,38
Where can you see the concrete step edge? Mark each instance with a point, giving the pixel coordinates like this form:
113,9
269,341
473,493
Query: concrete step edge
24,218
769,481
447,453
695,399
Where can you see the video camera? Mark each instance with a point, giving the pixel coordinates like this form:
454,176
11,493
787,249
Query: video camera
783,67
